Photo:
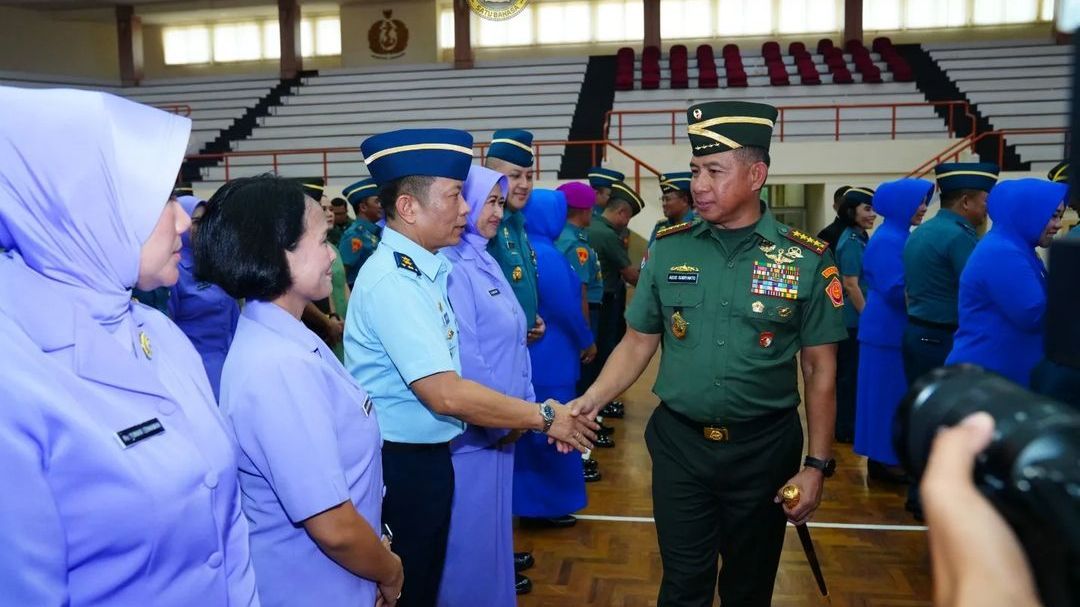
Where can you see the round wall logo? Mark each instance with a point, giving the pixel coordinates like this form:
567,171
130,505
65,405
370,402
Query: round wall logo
388,37
497,10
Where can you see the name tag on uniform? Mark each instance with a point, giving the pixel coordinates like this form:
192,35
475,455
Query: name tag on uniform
683,274
493,292
367,406
139,432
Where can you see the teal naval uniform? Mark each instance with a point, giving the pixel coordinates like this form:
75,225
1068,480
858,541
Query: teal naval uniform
362,236
510,246
733,309
573,243
599,177
674,182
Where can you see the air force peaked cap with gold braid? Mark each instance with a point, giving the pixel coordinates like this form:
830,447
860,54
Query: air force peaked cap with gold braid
620,190
721,126
675,182
513,146
953,176
313,186
360,190
418,152
859,195
599,177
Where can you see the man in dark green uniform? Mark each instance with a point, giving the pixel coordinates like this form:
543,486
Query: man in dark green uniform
675,200
934,256
615,266
362,237
511,154
734,295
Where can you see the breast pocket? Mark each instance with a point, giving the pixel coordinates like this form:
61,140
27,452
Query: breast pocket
773,331
683,307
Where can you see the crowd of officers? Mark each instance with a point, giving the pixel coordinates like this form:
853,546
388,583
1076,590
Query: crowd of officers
396,387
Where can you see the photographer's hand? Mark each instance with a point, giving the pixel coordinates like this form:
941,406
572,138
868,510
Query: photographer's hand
977,559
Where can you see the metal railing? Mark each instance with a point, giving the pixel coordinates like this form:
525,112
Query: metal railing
785,111
598,149
967,144
182,109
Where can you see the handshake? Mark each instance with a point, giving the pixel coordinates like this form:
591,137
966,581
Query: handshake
572,426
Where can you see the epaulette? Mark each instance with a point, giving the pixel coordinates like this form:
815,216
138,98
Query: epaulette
406,263
675,229
806,240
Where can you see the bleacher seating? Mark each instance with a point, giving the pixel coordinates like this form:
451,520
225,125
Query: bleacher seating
679,64
1015,84
214,102
650,68
706,64
339,108
624,69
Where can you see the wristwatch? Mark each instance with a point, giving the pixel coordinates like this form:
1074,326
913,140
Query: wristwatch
827,466
548,413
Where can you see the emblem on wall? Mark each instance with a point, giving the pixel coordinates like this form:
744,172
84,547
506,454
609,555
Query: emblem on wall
388,37
497,10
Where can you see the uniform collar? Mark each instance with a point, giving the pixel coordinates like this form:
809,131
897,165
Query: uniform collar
604,221
360,222
429,264
275,318
957,217
767,227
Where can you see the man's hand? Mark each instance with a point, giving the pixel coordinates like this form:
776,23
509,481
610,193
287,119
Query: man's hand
584,406
975,555
588,354
809,481
537,331
571,432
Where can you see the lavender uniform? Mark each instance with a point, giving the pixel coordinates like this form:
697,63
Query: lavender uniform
548,483
202,310
310,441
119,474
479,566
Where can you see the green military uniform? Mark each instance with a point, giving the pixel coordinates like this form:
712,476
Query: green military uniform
611,251
674,182
733,308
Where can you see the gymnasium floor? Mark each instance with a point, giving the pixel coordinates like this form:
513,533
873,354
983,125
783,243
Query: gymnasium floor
872,552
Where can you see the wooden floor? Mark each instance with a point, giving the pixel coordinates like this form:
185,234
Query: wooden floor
617,563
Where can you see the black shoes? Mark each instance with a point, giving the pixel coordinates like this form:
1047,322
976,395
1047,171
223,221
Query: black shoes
559,522
877,471
615,410
523,561
604,441
522,584
590,464
591,476
604,430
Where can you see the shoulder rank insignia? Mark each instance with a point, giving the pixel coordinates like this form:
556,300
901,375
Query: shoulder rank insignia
406,263
675,229
808,241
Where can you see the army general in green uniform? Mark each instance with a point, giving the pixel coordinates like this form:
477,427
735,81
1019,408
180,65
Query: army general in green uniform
734,296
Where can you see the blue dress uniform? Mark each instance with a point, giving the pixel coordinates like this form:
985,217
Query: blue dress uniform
1003,287
934,257
401,328
202,310
881,382
674,182
547,483
601,179
511,247
119,475
360,239
850,247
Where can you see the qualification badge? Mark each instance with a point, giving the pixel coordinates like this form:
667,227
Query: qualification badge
516,274
765,339
757,307
678,325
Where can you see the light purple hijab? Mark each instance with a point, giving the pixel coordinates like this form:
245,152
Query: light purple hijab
85,178
189,203
475,191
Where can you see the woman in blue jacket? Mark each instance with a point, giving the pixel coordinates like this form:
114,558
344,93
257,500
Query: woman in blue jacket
548,484
1003,286
881,327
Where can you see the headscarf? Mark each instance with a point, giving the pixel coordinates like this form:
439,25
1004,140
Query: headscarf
189,203
85,178
545,215
1021,208
475,191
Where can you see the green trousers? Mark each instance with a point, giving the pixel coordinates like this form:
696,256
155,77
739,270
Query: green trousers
714,500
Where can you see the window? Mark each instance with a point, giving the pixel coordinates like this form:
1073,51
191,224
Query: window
881,15
805,16
685,19
247,41
991,12
620,21
935,13
187,45
744,17
517,31
563,23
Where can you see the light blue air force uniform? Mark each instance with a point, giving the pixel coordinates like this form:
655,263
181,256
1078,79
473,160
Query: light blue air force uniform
401,328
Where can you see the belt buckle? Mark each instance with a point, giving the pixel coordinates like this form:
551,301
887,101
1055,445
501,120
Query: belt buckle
717,434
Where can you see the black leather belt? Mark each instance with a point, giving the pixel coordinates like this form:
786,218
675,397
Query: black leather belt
928,324
594,306
722,432
413,447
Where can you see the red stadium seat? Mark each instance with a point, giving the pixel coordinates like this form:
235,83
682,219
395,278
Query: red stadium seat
881,43
853,44
736,78
823,45
770,50
835,59
731,49
842,76
778,76
796,49
680,79
707,76
650,68
871,74
678,54
624,69
809,76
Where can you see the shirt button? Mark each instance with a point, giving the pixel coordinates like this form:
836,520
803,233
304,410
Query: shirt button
731,264
215,560
724,303
211,479
166,407
720,342
716,383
